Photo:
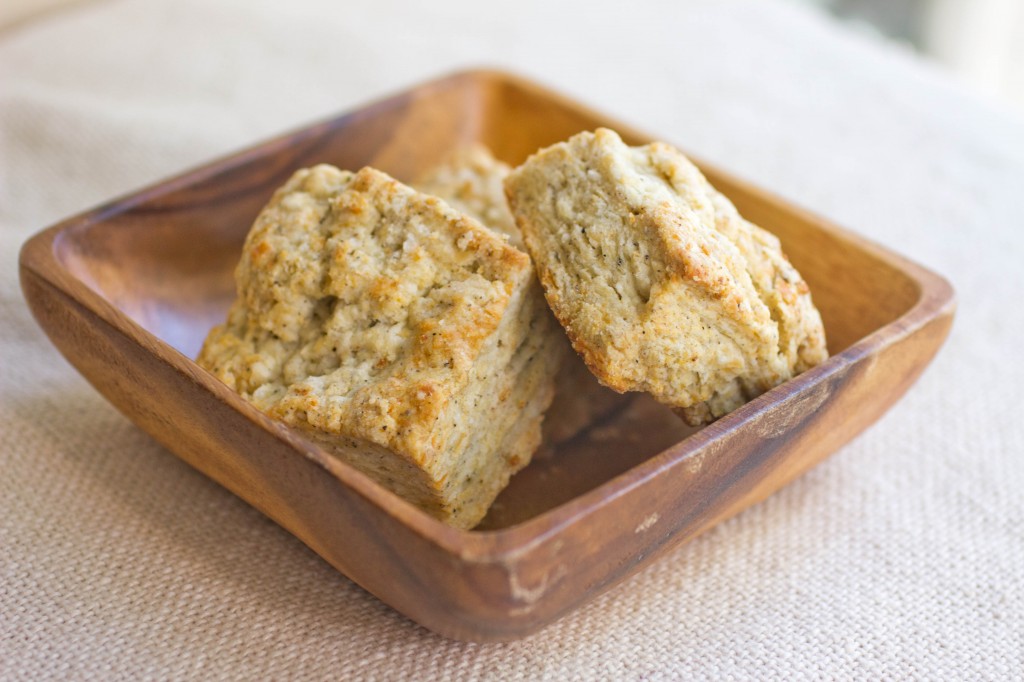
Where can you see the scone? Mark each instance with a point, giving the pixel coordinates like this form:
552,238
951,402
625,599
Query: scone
661,286
472,180
396,332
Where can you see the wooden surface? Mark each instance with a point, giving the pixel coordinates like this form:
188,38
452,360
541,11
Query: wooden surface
128,291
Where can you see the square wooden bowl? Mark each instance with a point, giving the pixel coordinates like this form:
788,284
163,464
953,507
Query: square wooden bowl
128,291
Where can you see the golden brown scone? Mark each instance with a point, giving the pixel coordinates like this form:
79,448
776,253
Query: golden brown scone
661,286
472,180
396,332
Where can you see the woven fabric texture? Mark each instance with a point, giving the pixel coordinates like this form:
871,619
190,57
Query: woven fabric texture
902,556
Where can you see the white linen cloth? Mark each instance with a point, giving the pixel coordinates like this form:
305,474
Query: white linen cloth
901,556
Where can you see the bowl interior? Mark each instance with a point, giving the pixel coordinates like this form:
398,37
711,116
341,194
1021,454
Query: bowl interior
166,258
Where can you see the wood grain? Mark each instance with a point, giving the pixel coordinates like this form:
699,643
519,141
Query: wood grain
128,291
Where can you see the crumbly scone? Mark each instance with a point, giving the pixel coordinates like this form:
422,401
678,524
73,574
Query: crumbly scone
472,180
398,333
661,286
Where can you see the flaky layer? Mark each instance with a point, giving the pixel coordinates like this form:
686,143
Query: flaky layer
472,180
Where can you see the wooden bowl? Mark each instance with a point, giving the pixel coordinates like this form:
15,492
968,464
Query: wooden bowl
128,291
